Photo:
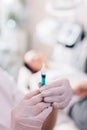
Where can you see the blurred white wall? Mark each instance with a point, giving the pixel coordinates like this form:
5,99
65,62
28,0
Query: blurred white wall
37,13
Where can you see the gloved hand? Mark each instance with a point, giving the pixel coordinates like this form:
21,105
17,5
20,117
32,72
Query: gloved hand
59,93
31,113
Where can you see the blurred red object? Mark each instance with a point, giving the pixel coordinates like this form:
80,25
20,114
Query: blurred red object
34,60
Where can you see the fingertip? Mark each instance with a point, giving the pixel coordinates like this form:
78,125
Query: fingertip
31,94
41,89
55,105
39,85
50,108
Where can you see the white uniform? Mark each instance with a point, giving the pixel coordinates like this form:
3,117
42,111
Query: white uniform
9,96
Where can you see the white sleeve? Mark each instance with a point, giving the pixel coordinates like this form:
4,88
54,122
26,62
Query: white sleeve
9,97
23,82
9,87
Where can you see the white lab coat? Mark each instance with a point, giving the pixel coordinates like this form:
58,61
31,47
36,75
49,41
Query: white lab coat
9,97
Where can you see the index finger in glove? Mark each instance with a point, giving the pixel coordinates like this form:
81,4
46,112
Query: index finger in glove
35,99
45,113
31,94
56,83
53,91
38,108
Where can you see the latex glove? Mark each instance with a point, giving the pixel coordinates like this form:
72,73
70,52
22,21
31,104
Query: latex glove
30,113
59,93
